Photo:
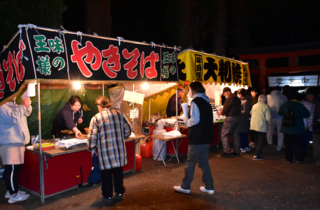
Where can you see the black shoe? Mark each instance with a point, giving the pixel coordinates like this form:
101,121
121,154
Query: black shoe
235,154
226,155
118,197
299,162
257,158
261,154
108,200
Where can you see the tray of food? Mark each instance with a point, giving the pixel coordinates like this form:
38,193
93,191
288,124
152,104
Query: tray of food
44,146
66,131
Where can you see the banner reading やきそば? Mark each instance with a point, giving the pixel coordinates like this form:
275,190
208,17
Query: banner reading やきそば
48,54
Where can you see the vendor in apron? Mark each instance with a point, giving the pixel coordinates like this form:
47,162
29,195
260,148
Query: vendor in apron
68,118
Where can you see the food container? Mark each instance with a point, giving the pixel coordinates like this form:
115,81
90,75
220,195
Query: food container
44,146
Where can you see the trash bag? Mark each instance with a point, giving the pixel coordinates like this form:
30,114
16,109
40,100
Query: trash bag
95,174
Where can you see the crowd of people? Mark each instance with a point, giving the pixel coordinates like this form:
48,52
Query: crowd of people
294,116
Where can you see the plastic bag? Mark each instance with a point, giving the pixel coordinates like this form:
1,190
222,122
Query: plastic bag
95,174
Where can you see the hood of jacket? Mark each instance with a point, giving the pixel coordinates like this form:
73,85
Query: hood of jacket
202,95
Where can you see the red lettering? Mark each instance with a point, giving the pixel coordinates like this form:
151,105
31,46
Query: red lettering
132,63
112,64
19,68
89,51
151,71
2,85
7,65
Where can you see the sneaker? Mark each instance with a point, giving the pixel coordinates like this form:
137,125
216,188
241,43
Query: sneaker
247,149
243,150
226,155
203,189
107,199
181,190
118,197
7,195
18,197
257,158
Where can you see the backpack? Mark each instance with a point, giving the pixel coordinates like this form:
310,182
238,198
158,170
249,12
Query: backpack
288,119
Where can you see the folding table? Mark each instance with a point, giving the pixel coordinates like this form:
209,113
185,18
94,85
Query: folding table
166,139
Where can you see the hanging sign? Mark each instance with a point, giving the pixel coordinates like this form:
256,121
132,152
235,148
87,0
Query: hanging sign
133,97
198,66
47,54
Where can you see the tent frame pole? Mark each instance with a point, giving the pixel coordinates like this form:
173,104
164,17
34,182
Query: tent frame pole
40,150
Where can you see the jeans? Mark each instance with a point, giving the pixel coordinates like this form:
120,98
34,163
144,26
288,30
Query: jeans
275,123
230,125
198,153
106,179
259,137
244,141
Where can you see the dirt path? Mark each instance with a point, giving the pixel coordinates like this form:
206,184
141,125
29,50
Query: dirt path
240,183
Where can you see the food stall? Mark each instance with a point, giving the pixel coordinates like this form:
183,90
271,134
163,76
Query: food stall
215,73
55,60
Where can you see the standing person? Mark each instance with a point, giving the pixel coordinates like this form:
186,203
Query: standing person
171,107
232,111
308,122
254,99
107,131
68,117
254,96
14,135
275,100
316,117
260,118
294,135
244,125
200,134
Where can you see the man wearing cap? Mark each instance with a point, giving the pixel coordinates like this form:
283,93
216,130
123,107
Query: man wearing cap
171,107
232,111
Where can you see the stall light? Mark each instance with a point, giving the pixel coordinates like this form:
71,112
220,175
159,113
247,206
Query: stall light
77,85
145,86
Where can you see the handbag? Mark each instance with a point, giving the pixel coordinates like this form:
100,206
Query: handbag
95,174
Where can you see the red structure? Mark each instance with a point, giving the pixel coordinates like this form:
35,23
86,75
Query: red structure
292,52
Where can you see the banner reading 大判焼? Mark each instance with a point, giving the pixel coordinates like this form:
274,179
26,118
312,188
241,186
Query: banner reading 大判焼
198,66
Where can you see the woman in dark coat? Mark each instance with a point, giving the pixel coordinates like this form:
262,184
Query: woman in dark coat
68,117
294,135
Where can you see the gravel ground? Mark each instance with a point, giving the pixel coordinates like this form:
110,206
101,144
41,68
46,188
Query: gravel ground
240,183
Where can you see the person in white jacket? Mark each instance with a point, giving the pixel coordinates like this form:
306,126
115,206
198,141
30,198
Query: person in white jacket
14,135
275,100
260,119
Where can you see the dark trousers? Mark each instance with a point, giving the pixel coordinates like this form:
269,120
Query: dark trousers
291,140
259,137
198,153
107,185
10,177
244,141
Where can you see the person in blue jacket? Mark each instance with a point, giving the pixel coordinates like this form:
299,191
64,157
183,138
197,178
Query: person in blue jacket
200,135
294,135
68,117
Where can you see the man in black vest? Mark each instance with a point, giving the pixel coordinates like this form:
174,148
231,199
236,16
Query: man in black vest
200,135
232,111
